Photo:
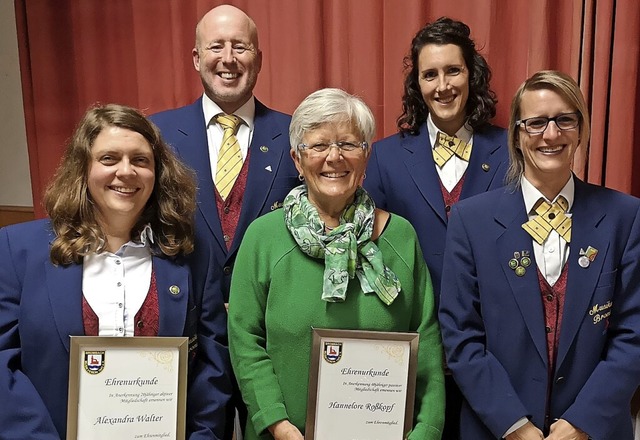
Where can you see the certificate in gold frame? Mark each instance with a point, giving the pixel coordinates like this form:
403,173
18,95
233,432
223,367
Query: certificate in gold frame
132,384
365,378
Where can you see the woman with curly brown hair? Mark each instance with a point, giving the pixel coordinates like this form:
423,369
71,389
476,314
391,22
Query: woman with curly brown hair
446,149
107,262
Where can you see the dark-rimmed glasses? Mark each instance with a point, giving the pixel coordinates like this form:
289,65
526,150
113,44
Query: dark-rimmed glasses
343,147
537,125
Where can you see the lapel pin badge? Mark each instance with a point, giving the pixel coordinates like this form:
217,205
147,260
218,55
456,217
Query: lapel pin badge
586,257
520,262
486,167
264,148
268,168
174,290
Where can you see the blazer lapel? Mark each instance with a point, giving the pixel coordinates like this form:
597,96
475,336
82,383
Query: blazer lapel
195,152
422,170
581,281
477,180
64,286
511,214
264,163
173,283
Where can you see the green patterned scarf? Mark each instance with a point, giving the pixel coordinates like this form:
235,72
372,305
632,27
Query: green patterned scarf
347,250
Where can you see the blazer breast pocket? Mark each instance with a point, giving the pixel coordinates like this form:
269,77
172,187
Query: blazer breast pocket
607,279
286,183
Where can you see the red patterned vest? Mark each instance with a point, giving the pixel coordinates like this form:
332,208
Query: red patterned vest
451,198
147,320
229,210
553,303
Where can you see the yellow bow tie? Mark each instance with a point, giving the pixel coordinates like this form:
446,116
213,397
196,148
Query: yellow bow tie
549,216
447,146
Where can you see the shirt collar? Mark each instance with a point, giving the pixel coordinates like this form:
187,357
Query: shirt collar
532,195
464,134
247,112
146,236
145,241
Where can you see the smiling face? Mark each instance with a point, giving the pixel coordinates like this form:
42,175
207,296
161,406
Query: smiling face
444,82
227,56
121,176
332,177
547,156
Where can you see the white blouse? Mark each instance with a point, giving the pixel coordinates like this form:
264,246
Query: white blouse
116,285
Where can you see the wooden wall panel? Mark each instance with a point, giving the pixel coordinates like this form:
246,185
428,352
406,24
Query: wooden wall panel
10,215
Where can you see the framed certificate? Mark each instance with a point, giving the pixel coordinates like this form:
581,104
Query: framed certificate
127,388
361,385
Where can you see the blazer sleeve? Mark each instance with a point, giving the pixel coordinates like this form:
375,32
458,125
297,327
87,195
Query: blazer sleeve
252,364
373,182
210,376
430,400
612,383
476,370
24,414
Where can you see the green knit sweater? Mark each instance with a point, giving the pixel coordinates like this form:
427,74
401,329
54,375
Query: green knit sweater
275,299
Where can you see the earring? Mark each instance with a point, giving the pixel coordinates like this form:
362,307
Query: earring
300,177
364,176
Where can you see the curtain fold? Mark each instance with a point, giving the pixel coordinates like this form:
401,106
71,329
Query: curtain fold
76,53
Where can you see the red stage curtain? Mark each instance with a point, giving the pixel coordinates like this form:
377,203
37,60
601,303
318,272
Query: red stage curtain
138,52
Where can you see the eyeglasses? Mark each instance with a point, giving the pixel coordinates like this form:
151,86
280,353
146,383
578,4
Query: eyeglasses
345,148
537,125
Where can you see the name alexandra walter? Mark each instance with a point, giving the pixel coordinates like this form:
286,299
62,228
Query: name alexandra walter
138,381
104,420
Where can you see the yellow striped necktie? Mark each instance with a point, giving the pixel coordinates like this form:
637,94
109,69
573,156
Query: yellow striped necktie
549,216
447,146
230,155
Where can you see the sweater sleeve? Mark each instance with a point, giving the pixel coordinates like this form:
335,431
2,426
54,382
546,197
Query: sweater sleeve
247,333
430,401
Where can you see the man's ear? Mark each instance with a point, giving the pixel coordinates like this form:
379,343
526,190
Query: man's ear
196,58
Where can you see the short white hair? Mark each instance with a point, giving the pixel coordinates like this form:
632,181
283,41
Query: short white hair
330,105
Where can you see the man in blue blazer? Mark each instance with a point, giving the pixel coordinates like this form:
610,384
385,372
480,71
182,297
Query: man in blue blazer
228,59
540,305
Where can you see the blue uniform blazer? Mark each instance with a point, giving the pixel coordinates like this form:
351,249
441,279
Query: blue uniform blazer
41,306
271,176
402,178
493,320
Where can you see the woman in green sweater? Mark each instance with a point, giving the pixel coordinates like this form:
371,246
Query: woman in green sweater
328,259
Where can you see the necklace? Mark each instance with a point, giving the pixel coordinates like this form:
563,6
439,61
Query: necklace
329,228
